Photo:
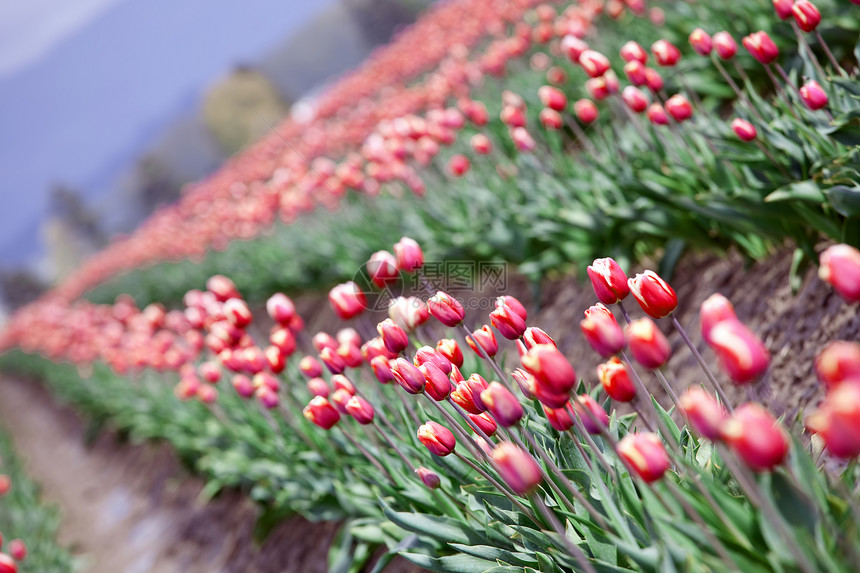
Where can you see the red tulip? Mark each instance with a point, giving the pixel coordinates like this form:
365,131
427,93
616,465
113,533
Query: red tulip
237,312
837,420
573,47
647,344
7,564
653,294
467,394
653,79
332,360
703,412
5,484
813,95
481,144
446,309
407,375
552,98
408,312
243,385
437,385
838,362
550,119
783,8
486,339
222,287
644,454
594,63
484,422
437,438
523,140
382,268
320,412
744,129
742,354
280,308
593,417
756,436
634,98
510,323
585,111
347,300
459,165
656,114
504,406
806,15
761,47
517,468
310,366
701,42
635,72
601,330
552,371
360,409
559,418
840,267
409,255
318,387
633,52
615,378
382,369
534,336
665,53
725,45
679,108
428,477
393,337
18,550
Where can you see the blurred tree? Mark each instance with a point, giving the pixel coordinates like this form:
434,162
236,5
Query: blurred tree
71,231
19,287
156,184
238,109
378,19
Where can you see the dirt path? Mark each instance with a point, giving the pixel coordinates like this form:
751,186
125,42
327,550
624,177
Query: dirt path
133,508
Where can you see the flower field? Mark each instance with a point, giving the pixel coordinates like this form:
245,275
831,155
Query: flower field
442,423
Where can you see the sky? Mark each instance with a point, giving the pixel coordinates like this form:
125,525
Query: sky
86,84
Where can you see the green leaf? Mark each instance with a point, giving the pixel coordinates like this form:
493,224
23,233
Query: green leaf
450,563
846,200
495,554
799,191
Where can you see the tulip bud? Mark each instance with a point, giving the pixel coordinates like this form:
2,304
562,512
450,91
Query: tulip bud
210,372
585,111
310,366
744,129
267,397
552,98
449,348
263,379
649,346
725,45
634,98
481,144
504,406
840,267
5,484
318,387
382,268
507,321
320,412
679,108
654,80
806,15
351,354
550,119
517,468
714,310
701,42
409,255
456,376
653,294
429,354
394,337
594,63
783,8
408,313
222,287
665,53
382,369
467,394
633,52
275,359
703,412
573,48
18,550
756,436
339,398
437,385
525,381
838,362
656,114
347,300
594,418
742,354
459,165
484,338
280,308
324,340
446,309
534,336
813,95
761,47
7,564
523,140
428,477
243,385
348,336
644,454
837,420
341,382
332,360
635,72
615,378
407,375
437,438
360,409
484,422
552,371
559,418
237,312
602,331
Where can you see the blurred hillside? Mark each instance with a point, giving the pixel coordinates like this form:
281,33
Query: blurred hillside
202,131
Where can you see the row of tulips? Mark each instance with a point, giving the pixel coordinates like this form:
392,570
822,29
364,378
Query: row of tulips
776,167
24,515
548,472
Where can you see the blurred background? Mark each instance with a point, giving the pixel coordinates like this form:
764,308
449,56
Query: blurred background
109,107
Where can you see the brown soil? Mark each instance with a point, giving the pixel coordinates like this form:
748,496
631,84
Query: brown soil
134,509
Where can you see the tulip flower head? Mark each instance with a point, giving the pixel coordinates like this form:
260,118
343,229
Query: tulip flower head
504,406
615,378
840,267
467,394
409,255
347,300
446,309
483,338
813,95
653,294
382,269
645,455
18,550
701,42
586,111
725,45
360,409
702,411
633,52
744,129
280,308
756,437
407,375
592,415
635,99
321,413
7,564
601,330
517,468
665,53
761,47
679,108
437,438
656,114
742,354
428,477
806,15
838,362
783,8
593,63
837,420
715,309
647,343
608,280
